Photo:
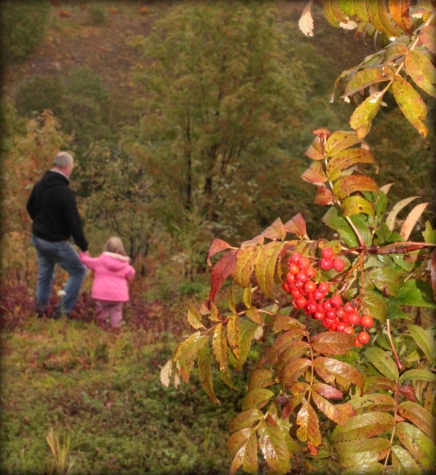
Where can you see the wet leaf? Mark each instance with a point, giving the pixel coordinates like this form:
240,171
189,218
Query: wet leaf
323,196
417,443
383,362
399,10
305,23
293,371
351,184
379,17
332,343
221,270
416,293
418,375
245,261
308,423
403,463
290,354
283,341
276,231
419,416
346,159
204,361
257,398
314,174
327,391
274,448
297,226
331,371
422,71
234,334
425,341
339,413
219,345
373,402
373,468
410,103
242,446
260,378
375,305
285,323
245,420
410,221
357,205
362,116
266,266
194,318
339,141
364,426
363,79
188,349
361,451
387,280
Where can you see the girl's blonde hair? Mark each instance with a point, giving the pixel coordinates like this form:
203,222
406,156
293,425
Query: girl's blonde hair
115,245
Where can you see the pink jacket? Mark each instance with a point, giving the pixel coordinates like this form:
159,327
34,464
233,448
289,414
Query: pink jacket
111,274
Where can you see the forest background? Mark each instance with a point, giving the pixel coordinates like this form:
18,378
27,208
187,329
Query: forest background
129,87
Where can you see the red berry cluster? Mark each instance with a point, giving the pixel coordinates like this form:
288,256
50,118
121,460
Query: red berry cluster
310,296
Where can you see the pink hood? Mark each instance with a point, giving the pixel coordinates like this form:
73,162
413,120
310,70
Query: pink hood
111,274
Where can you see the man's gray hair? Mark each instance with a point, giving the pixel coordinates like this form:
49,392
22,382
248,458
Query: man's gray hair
62,160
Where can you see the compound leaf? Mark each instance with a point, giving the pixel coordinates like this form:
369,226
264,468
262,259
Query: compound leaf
419,416
266,266
308,423
422,71
417,443
274,448
332,343
339,413
245,261
362,451
383,362
331,370
403,463
257,398
364,426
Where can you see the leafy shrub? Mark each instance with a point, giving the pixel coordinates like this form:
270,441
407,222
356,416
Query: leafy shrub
23,27
97,16
84,81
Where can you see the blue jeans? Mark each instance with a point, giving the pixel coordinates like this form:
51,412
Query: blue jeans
62,253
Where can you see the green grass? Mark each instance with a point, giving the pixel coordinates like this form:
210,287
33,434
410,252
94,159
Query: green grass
99,396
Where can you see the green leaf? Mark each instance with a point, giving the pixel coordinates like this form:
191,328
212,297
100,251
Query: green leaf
418,375
188,349
266,266
403,463
242,446
346,159
343,228
339,413
425,341
194,318
379,17
257,398
219,345
410,103
383,362
331,370
332,343
285,323
351,184
422,71
395,51
373,402
363,79
248,330
429,234
375,305
245,420
339,141
362,451
416,293
204,361
373,468
362,116
254,315
387,280
247,297
364,426
417,443
419,416
308,423
274,448
260,378
245,261
332,12
357,205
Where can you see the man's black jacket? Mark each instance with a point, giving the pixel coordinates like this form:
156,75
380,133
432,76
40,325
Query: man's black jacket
52,207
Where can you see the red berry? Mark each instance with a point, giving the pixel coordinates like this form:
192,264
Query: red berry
338,265
304,263
340,312
294,268
357,344
363,338
348,308
290,278
327,253
296,294
286,287
310,286
353,319
318,295
367,321
336,301
319,315
349,330
331,314
301,302
327,305
311,272
295,258
340,326
311,307
326,264
324,287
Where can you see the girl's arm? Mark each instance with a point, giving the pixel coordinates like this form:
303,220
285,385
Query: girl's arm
90,262
130,273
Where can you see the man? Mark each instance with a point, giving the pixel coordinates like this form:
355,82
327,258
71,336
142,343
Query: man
52,207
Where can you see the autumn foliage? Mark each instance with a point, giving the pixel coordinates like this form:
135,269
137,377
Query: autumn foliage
318,398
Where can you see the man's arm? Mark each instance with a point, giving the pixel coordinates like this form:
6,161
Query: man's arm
75,223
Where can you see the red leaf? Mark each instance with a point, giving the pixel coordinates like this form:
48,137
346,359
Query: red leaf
408,391
323,196
221,270
217,245
399,10
297,226
276,231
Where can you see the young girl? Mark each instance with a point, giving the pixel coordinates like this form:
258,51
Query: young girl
110,289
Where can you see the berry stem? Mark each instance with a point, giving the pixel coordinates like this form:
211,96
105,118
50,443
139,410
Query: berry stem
388,325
